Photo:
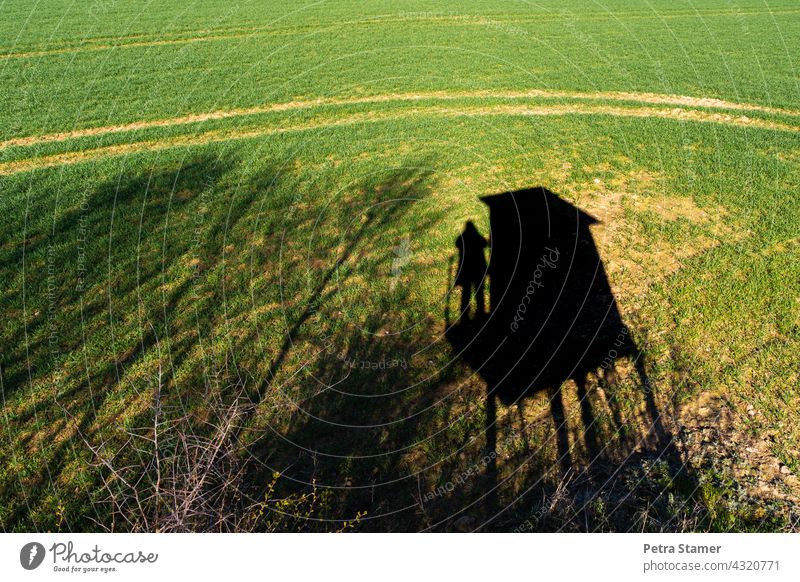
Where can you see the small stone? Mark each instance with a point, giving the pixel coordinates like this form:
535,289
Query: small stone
785,470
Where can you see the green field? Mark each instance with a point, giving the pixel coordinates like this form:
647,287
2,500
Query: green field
227,239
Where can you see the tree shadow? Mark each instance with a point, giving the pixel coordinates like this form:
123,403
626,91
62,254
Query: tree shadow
111,291
355,406
318,299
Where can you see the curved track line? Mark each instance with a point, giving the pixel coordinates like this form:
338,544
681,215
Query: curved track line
617,96
415,17
693,115
136,44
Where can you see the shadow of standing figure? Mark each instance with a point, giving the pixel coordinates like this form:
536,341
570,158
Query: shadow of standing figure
471,272
553,318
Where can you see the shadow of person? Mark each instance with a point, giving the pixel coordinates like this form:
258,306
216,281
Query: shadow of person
471,272
553,318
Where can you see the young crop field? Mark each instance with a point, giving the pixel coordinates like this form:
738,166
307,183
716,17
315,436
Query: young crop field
232,265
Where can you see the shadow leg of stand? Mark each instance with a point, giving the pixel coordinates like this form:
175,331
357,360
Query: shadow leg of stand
587,415
562,437
662,436
491,453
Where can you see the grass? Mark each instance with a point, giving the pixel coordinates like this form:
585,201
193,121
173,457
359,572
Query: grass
307,258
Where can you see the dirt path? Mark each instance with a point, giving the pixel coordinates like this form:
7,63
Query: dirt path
678,114
617,97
